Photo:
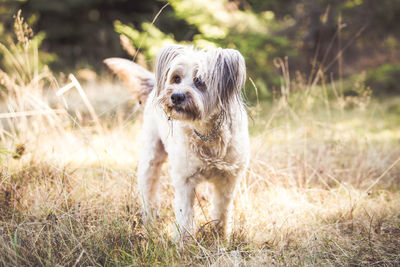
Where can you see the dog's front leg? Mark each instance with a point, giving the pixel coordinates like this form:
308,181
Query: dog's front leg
183,207
224,193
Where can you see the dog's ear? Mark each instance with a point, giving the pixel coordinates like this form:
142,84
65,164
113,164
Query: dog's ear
164,58
139,80
229,75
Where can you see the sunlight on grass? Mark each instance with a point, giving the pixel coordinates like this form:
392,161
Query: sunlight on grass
304,195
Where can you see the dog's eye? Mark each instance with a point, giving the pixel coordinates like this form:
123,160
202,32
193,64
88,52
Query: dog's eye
176,79
199,84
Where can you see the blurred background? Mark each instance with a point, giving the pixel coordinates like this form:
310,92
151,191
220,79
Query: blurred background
347,40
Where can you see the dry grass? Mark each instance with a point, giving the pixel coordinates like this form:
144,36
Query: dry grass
71,199
323,186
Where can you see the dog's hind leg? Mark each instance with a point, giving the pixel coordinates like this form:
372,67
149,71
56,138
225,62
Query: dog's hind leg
151,158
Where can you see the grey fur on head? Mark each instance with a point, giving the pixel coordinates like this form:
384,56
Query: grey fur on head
223,71
163,61
227,75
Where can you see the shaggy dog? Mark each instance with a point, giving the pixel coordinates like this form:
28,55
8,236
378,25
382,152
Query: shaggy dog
194,114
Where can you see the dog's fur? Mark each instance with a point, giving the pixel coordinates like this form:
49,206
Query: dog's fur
195,115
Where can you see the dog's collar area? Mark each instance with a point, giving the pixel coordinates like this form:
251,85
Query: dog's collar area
213,133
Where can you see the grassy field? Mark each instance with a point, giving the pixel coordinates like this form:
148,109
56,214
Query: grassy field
323,187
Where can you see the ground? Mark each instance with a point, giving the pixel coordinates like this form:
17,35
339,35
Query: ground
323,188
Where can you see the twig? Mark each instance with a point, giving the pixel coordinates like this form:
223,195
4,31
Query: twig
74,83
152,23
30,113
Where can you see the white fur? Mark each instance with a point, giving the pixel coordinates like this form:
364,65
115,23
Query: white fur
222,160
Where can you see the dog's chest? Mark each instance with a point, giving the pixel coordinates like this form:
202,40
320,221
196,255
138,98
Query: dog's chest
190,156
216,156
208,152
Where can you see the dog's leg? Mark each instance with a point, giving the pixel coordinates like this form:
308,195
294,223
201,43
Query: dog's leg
150,162
183,207
224,192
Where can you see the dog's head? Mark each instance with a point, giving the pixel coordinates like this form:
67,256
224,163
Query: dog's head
197,84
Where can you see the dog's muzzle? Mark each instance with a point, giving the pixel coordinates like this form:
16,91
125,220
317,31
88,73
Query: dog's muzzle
180,106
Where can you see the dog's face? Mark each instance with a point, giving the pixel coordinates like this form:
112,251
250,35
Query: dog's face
196,84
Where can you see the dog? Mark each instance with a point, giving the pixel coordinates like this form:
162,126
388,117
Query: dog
194,115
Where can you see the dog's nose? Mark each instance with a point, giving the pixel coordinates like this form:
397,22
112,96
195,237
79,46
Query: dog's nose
177,98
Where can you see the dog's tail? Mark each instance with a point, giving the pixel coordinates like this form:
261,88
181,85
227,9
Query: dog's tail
139,80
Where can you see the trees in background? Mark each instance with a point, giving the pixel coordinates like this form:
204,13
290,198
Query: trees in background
341,37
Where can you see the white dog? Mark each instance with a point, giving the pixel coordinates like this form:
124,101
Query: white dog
193,114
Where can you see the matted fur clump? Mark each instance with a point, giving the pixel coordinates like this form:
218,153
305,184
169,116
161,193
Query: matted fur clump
193,114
